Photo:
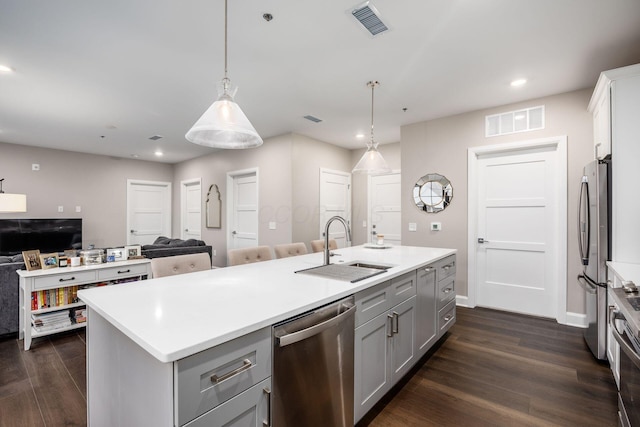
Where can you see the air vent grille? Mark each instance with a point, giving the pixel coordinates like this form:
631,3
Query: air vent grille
368,16
313,119
155,137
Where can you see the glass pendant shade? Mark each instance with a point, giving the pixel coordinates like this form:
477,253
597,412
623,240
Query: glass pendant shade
13,202
224,125
371,162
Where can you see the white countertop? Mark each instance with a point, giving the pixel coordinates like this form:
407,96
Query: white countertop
626,271
174,317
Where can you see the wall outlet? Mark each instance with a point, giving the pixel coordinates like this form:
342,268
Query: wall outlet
413,226
60,208
436,226
35,167
78,209
272,225
215,253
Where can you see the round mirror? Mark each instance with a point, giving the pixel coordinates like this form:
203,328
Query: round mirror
432,193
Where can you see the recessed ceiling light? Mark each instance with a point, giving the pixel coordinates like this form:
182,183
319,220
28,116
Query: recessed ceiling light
5,69
518,82
360,135
159,153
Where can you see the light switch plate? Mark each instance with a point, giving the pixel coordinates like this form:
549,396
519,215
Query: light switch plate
413,226
60,208
272,225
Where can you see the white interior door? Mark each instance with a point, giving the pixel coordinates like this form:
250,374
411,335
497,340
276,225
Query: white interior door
385,207
148,211
517,231
242,187
191,209
335,199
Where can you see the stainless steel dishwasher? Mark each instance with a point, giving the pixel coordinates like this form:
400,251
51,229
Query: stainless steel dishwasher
313,368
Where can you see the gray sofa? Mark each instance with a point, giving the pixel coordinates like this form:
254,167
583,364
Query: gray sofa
164,246
9,294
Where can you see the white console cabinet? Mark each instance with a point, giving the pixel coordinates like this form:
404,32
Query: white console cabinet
59,282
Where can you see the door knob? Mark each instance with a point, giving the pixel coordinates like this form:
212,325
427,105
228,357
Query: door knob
481,240
234,232
132,231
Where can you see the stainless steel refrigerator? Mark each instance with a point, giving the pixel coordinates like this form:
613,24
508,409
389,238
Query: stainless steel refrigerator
594,234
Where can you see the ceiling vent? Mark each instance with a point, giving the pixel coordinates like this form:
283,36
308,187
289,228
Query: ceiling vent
155,137
313,119
369,17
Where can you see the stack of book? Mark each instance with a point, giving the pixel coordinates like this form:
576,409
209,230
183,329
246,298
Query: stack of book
50,321
79,315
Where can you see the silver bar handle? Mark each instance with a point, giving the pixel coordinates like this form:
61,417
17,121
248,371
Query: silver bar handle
267,391
294,337
624,344
246,365
389,325
448,317
447,290
395,329
428,269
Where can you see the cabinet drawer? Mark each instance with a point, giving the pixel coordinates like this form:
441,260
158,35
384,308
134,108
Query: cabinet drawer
248,409
403,287
372,302
122,271
447,290
447,267
211,377
446,317
65,279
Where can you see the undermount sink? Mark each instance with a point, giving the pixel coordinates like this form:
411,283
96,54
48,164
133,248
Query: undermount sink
349,272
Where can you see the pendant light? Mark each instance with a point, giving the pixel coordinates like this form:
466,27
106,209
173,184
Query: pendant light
12,202
224,125
372,161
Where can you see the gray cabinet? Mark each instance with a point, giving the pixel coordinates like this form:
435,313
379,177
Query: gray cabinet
248,409
426,311
385,344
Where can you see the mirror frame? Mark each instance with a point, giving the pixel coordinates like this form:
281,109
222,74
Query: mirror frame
428,180
213,207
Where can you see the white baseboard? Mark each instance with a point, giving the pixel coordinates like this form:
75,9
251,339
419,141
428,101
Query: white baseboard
576,319
463,301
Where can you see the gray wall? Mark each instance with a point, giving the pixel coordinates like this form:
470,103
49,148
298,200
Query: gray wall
273,160
308,157
441,146
98,184
360,193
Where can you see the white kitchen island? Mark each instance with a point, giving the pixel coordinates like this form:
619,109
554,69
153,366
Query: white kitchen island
168,351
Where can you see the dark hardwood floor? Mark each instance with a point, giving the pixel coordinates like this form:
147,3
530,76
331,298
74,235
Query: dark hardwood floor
503,369
492,369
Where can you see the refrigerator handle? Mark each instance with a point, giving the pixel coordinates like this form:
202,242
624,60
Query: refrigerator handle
584,227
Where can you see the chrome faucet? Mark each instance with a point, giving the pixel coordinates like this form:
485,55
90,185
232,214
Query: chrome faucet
326,235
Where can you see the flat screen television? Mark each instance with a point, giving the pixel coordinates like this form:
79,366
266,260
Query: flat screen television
47,235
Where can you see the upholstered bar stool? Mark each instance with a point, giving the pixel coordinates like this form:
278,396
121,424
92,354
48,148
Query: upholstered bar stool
318,245
180,264
290,249
248,255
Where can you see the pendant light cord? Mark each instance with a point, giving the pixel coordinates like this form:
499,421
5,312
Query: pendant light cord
373,84
225,40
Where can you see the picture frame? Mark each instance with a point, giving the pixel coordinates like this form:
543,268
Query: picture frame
32,260
118,254
133,252
63,261
48,261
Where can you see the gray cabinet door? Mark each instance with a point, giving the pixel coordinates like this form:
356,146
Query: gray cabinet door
403,340
248,409
426,309
371,360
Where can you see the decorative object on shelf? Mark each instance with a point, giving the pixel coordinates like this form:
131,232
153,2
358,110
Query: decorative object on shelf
48,261
12,202
92,256
63,261
433,193
133,252
224,125
32,260
372,161
118,254
213,207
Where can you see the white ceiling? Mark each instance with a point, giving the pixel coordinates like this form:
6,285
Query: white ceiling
103,76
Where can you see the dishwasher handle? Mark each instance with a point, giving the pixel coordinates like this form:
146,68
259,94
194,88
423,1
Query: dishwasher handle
295,337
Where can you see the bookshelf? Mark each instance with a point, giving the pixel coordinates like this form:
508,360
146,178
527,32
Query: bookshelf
48,298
